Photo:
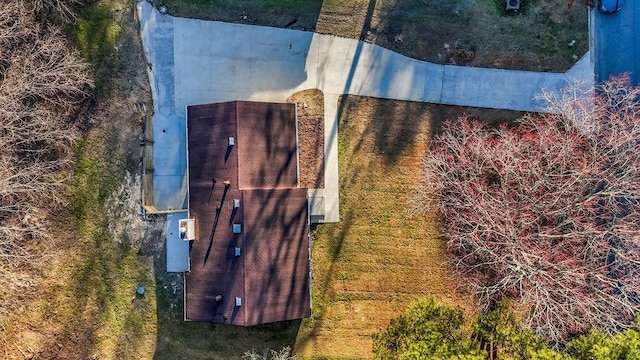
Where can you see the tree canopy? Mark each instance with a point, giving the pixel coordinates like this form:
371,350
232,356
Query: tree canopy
429,329
432,330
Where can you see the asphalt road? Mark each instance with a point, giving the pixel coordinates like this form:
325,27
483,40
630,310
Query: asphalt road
616,41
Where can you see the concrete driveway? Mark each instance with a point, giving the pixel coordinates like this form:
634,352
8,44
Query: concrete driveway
194,62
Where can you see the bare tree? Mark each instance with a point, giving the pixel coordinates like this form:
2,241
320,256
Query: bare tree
283,354
62,10
42,84
548,211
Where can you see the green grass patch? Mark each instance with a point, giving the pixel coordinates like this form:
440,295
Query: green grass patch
279,13
96,33
106,271
97,174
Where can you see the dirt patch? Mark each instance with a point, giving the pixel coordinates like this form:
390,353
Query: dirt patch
310,104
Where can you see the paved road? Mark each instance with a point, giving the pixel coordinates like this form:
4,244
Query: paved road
194,62
615,41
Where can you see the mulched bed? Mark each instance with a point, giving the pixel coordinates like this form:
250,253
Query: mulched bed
310,137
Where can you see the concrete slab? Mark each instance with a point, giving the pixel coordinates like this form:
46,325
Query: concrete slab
177,249
346,66
495,88
169,135
384,74
221,63
169,156
170,191
582,70
334,62
156,31
331,179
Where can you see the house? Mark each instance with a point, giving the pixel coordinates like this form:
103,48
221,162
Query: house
250,260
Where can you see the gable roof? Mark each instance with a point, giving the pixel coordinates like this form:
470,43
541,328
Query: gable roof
271,273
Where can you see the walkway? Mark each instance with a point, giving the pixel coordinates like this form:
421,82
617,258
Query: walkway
195,62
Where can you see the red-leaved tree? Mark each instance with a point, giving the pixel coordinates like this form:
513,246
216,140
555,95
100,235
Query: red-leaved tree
547,211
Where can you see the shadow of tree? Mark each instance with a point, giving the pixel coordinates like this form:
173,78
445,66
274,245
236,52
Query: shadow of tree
179,339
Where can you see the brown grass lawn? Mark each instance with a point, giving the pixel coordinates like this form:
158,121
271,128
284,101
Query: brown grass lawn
378,258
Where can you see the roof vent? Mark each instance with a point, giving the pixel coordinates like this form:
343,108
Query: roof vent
513,4
237,228
238,301
236,203
236,251
232,141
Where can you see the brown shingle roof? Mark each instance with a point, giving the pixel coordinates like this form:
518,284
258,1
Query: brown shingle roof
268,158
271,275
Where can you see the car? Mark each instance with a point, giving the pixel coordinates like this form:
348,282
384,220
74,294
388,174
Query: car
608,6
